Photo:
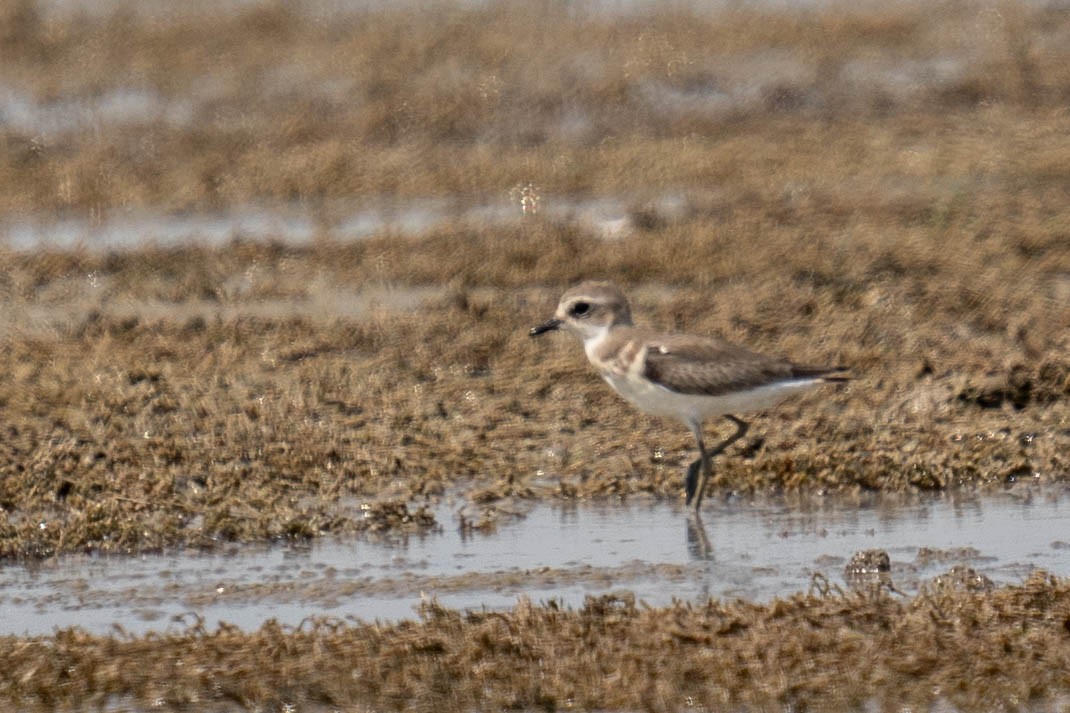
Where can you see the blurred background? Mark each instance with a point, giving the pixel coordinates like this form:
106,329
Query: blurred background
132,122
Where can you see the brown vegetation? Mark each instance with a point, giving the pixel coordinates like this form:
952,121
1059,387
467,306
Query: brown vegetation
148,406
883,186
949,645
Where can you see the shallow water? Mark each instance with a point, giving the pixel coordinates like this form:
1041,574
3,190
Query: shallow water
297,225
755,550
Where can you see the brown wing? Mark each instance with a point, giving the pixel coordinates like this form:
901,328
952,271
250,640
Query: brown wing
711,366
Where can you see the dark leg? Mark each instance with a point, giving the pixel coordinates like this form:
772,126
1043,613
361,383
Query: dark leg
741,430
698,473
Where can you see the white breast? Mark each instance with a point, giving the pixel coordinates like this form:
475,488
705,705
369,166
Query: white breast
691,408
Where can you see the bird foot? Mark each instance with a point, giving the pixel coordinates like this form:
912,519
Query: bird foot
751,449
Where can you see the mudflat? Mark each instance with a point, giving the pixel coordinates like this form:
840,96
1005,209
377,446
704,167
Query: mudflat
880,186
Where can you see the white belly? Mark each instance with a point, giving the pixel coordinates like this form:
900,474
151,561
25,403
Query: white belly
691,408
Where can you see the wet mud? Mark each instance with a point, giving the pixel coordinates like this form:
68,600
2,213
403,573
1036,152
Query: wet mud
334,346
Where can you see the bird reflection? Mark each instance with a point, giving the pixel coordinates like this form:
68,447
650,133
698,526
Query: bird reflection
698,542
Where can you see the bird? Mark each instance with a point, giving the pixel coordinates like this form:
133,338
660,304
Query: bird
682,376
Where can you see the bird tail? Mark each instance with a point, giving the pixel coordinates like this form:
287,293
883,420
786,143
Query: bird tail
825,373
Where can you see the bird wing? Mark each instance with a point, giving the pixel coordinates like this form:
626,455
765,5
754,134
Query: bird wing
710,366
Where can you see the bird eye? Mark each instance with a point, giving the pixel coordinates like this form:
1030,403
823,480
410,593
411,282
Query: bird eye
580,309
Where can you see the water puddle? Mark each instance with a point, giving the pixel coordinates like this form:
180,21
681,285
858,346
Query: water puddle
753,550
608,218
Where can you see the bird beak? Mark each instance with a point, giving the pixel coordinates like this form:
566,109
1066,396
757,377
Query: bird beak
548,326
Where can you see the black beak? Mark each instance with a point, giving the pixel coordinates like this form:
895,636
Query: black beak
548,326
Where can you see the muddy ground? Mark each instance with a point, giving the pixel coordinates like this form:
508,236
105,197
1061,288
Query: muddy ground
879,186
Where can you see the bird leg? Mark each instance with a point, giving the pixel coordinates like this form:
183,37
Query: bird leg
698,473
702,463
